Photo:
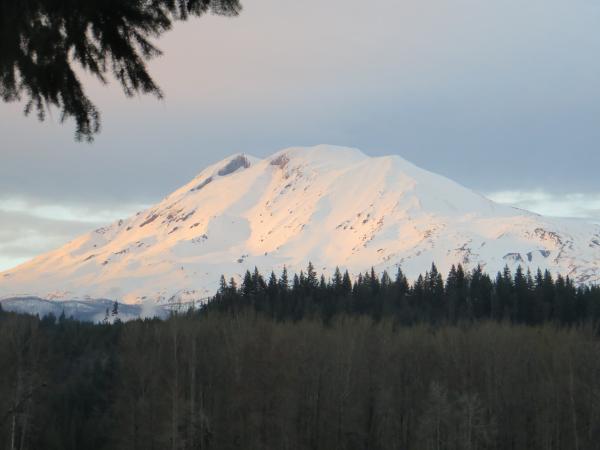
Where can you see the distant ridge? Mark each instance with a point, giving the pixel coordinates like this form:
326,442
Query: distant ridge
84,310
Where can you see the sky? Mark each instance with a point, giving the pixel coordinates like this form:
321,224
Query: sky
502,97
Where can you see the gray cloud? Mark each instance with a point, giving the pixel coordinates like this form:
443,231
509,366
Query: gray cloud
580,205
30,228
23,236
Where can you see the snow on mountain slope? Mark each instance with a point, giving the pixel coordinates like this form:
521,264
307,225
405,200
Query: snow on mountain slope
330,205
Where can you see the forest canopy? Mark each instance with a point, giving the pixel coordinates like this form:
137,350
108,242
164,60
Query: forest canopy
44,42
462,296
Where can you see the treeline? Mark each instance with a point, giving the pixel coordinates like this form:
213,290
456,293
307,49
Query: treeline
522,297
245,381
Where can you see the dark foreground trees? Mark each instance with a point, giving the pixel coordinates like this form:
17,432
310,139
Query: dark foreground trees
245,381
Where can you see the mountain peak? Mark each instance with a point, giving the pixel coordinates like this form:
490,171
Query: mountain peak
322,152
319,156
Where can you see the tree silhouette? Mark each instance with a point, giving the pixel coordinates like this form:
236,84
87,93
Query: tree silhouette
42,41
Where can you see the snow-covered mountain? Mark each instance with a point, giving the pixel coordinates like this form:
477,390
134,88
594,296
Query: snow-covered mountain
329,205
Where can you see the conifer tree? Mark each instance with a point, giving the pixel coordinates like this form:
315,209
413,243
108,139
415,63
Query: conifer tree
520,298
386,281
401,283
548,295
115,309
302,280
273,293
322,284
283,280
247,285
418,295
374,282
435,291
232,285
312,280
337,281
222,285
273,284
346,284
258,282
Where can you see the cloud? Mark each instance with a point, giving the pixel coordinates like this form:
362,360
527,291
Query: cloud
76,213
31,227
580,205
